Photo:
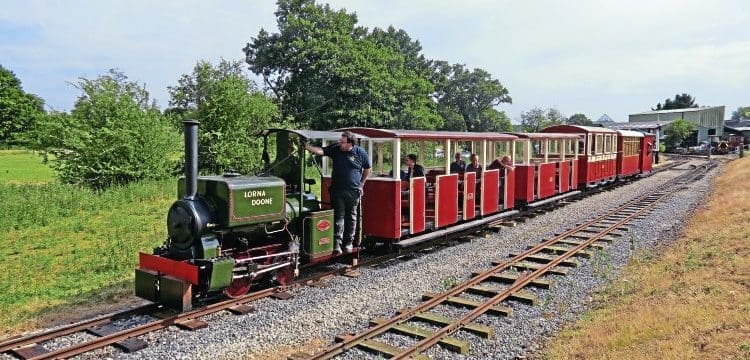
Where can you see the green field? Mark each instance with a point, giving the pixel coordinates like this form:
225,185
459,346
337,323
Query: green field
23,166
63,246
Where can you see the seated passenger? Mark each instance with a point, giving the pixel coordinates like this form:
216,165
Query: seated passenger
414,169
505,163
474,165
459,165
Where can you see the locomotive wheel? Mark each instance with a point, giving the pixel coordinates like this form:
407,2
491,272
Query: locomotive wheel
284,276
237,288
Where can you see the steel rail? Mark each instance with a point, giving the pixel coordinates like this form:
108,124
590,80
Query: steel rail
14,343
384,326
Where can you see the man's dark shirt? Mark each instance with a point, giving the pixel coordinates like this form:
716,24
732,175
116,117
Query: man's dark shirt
416,171
458,166
347,166
477,169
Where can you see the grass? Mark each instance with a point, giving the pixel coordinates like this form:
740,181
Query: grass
690,302
66,248
23,166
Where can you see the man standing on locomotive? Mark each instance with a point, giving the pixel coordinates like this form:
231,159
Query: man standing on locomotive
351,167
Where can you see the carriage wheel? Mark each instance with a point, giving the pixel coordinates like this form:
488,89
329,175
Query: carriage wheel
238,287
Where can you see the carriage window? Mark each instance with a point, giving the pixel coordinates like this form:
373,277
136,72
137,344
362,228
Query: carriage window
607,144
581,147
381,158
599,143
520,152
537,149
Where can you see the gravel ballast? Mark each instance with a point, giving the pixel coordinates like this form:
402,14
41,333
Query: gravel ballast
317,314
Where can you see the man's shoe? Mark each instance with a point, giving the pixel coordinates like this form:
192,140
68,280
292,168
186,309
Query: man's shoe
336,249
348,248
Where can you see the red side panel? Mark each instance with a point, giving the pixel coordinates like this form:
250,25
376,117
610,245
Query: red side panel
574,174
490,191
525,183
629,165
325,194
446,206
564,177
416,205
179,269
546,180
470,190
510,188
647,153
584,169
381,208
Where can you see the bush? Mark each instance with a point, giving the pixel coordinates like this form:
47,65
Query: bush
232,112
112,136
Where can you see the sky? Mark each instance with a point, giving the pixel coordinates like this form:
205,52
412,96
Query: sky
585,56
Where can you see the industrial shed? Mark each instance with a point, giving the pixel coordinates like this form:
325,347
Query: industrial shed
709,120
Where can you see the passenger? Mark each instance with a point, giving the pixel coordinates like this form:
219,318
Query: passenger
459,165
507,163
351,167
414,169
474,165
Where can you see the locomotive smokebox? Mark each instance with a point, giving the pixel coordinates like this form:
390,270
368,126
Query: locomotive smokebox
191,158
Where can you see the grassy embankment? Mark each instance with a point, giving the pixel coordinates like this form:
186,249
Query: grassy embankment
65,248
690,300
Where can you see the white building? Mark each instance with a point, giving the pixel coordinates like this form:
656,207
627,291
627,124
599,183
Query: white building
708,120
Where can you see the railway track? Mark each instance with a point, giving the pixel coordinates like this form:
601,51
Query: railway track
551,256
31,347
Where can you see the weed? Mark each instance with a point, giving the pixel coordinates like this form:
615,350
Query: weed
744,347
449,282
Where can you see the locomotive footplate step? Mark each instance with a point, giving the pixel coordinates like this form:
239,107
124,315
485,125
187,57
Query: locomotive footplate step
282,295
459,346
192,324
127,345
31,351
241,309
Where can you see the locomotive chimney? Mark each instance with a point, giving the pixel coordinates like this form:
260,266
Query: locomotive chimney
191,158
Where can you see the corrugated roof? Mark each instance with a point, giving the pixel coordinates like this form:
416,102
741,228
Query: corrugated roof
587,129
310,134
677,110
428,135
629,133
546,135
641,125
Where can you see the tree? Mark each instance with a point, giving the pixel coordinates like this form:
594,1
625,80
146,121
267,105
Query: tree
328,72
741,112
681,101
470,94
114,135
231,111
579,119
537,119
18,109
677,132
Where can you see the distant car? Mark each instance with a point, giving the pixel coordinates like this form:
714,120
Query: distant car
439,153
465,153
